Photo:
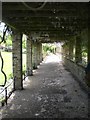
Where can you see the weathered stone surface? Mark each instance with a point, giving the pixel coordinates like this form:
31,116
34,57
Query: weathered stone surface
29,57
17,60
78,50
35,62
78,71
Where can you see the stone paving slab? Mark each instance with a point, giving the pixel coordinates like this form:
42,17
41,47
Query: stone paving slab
51,93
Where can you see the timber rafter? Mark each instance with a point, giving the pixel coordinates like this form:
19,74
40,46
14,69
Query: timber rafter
58,19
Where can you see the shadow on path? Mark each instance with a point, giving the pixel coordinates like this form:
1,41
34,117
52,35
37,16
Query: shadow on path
51,93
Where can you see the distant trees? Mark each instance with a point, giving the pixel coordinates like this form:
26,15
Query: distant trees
8,40
49,48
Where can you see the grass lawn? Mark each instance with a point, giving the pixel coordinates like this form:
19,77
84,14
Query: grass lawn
7,57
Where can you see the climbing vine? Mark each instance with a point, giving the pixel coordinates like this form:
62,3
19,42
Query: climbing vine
3,40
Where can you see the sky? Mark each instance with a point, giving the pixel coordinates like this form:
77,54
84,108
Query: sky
1,26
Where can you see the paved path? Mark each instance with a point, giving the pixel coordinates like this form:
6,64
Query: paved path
51,93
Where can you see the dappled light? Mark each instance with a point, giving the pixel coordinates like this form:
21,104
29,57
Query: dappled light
51,89
45,51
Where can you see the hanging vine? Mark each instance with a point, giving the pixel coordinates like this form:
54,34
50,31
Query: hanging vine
6,28
5,77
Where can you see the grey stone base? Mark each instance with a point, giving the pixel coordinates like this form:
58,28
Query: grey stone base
34,66
30,72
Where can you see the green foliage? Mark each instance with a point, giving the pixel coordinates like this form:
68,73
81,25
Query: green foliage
24,68
10,76
8,40
7,56
48,48
84,51
24,44
7,67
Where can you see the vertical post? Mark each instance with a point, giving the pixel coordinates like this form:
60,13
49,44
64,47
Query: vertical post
88,45
41,57
88,32
29,57
78,51
17,60
71,49
66,49
38,53
6,95
35,56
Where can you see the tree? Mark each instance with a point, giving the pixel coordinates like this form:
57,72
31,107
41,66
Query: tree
8,40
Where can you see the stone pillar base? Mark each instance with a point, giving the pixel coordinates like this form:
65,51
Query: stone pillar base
18,88
17,85
38,63
34,66
29,72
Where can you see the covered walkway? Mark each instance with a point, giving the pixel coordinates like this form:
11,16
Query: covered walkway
51,93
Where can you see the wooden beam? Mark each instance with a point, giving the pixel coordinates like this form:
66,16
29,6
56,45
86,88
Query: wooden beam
48,13
48,5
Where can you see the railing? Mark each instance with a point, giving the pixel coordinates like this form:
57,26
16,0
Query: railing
7,88
6,92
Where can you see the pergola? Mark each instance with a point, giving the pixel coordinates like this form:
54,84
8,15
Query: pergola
57,19
45,22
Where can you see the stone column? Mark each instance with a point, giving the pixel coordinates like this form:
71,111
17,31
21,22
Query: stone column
88,45
38,53
41,57
17,60
88,32
71,47
32,54
78,50
29,57
66,49
35,55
